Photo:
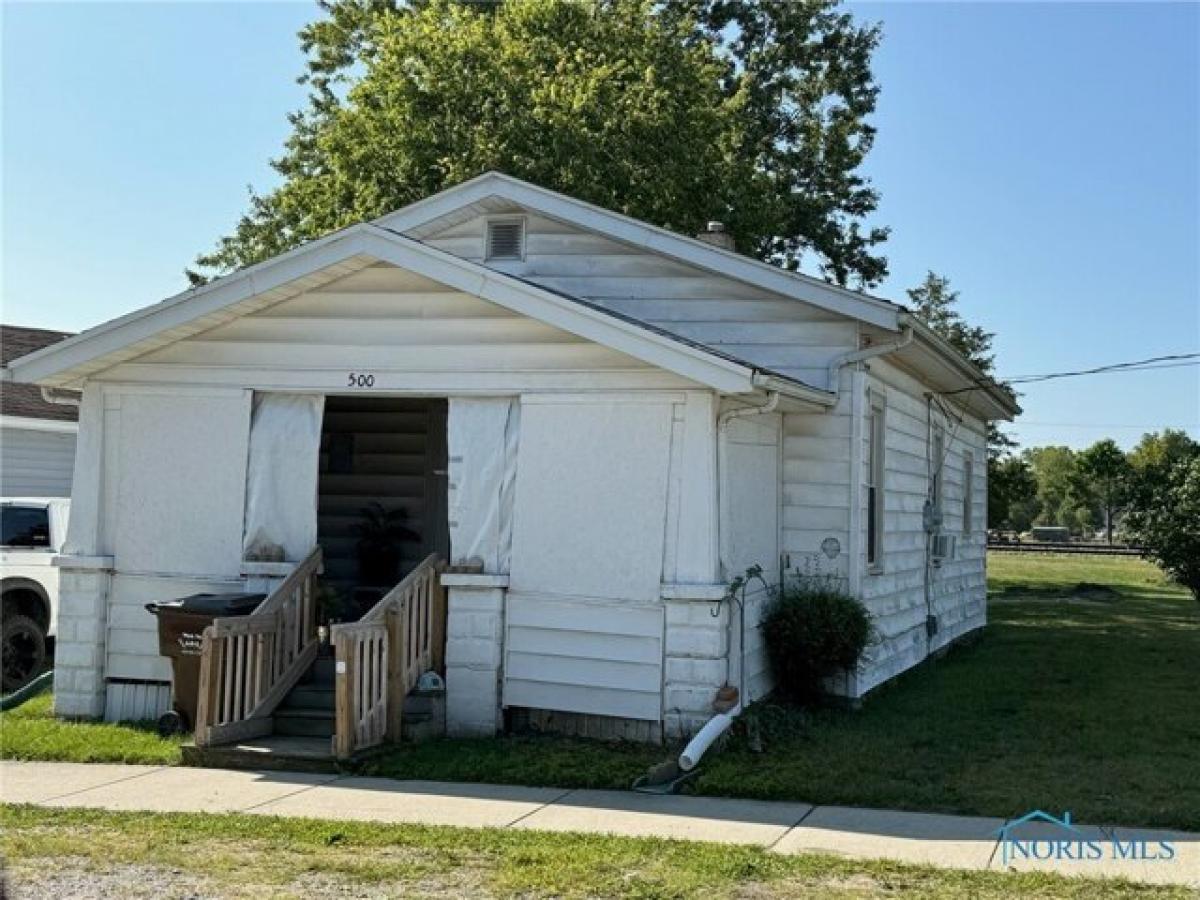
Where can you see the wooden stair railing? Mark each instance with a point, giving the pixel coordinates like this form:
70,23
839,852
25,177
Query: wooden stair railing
381,656
249,663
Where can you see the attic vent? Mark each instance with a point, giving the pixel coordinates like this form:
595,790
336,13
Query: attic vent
506,239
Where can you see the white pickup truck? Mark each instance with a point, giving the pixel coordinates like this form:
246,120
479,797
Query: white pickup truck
32,531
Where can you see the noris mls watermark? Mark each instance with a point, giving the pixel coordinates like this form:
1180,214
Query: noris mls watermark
1042,837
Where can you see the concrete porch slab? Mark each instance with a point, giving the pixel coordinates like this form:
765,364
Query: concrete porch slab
186,790
426,802
959,842
671,816
38,782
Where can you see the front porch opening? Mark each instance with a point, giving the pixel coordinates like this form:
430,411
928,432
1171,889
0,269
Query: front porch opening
380,457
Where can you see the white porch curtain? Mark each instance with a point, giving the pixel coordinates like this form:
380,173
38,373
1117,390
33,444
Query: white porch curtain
482,437
281,476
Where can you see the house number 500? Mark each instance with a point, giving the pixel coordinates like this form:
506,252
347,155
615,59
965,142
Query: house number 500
360,379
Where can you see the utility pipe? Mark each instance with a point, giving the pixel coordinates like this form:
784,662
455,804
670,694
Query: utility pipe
719,723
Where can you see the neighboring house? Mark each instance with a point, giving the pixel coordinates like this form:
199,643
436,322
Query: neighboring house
37,437
600,423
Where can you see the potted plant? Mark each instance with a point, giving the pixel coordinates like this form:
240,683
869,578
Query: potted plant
381,532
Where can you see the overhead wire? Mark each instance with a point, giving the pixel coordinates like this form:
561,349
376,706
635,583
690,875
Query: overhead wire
1168,361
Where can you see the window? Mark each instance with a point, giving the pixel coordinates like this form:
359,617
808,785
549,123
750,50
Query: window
968,509
505,239
25,526
876,436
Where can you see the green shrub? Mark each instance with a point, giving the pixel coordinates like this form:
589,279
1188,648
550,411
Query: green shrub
813,631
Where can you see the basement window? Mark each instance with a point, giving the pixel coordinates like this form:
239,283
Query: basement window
505,239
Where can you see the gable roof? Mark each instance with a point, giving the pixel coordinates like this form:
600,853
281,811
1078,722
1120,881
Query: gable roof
943,365
353,248
420,219
25,400
320,261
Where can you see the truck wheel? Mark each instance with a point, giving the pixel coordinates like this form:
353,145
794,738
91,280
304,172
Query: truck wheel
22,652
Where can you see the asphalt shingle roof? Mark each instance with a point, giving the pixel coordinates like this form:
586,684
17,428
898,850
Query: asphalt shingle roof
25,400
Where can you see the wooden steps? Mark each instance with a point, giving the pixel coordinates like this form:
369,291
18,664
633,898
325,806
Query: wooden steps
401,635
308,709
273,752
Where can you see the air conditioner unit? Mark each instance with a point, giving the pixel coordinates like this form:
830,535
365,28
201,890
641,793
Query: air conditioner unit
944,546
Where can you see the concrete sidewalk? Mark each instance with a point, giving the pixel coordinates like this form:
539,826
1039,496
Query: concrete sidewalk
946,841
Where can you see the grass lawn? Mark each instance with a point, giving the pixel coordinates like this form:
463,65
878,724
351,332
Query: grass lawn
142,855
1089,705
31,732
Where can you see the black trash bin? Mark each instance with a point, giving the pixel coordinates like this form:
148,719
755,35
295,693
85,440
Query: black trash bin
181,625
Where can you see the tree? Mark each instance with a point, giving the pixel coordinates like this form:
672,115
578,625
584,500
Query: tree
1057,486
936,304
1157,452
1103,471
1165,520
633,105
1012,493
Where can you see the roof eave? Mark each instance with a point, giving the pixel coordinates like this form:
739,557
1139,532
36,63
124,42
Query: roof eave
61,363
40,366
1003,403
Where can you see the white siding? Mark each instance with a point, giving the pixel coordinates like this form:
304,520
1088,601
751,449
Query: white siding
35,463
132,646
592,658
136,701
173,505
766,329
585,624
896,595
816,487
752,495
411,334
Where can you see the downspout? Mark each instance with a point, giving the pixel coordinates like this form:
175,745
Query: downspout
854,524
857,383
719,723
51,395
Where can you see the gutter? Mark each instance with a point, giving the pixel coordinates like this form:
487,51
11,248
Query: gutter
856,356
777,384
60,398
960,364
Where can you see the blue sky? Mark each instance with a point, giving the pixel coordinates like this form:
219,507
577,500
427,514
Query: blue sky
1044,156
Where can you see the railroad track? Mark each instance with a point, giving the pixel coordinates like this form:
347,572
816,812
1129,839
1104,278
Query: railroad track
1076,549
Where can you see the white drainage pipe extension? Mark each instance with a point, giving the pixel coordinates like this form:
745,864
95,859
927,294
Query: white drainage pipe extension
713,729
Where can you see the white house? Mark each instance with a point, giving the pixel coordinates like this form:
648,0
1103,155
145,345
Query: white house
37,436
600,422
